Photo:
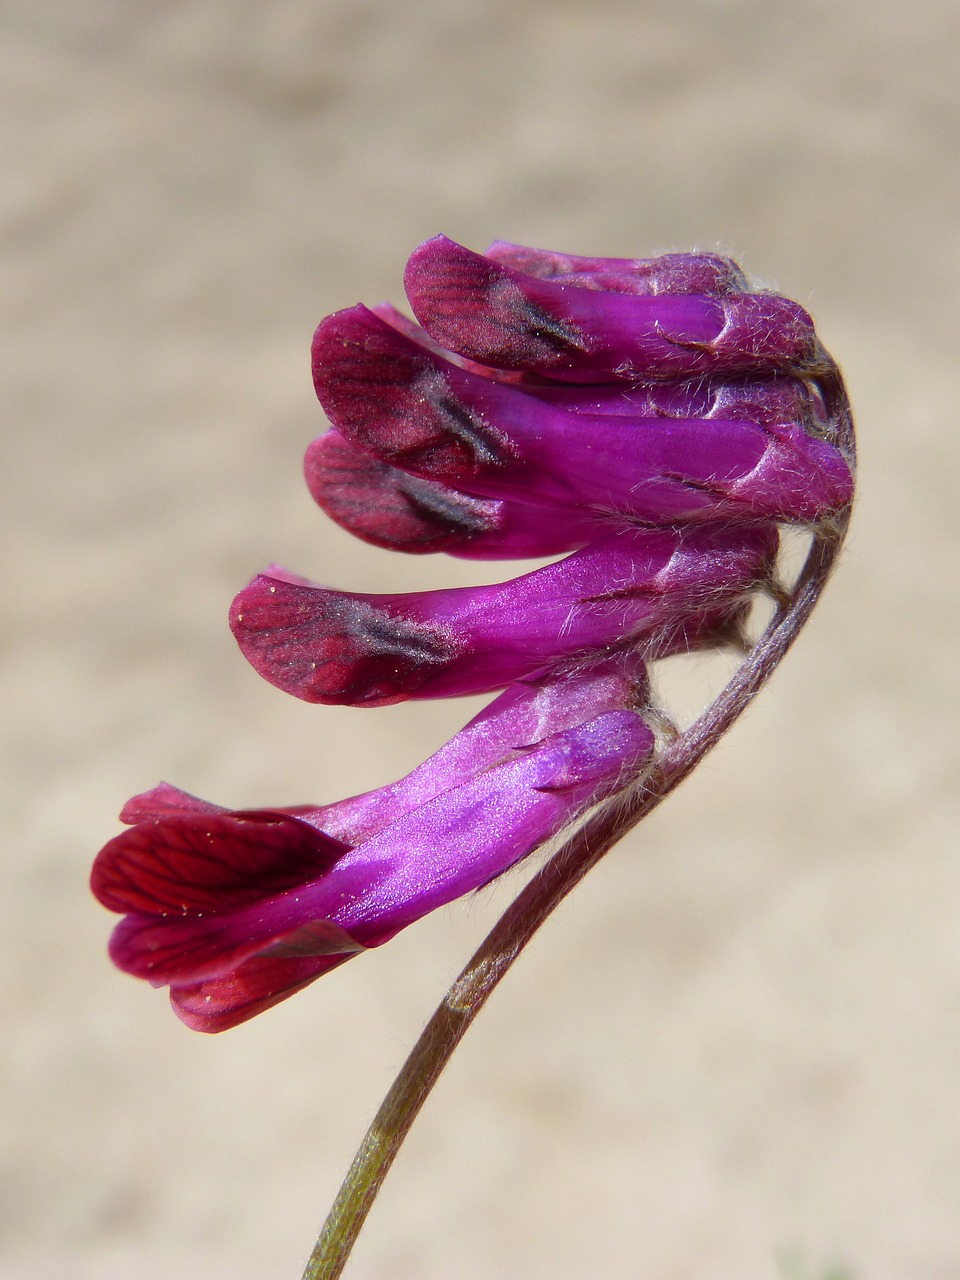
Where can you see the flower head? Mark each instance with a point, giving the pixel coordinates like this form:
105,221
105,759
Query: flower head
652,420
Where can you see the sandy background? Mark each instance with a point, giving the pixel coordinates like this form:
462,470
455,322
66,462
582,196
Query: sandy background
735,1053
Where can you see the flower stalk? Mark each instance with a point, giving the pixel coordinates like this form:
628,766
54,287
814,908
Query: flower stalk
544,892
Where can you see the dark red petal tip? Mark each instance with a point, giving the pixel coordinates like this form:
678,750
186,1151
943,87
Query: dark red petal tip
208,862
334,647
256,985
365,373
164,801
380,503
486,311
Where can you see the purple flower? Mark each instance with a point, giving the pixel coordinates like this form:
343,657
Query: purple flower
650,589
653,420
657,328
235,911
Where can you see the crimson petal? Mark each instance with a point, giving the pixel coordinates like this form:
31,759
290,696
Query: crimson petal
669,273
217,1004
208,861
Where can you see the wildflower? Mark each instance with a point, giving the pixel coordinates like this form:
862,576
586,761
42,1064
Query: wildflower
652,420
645,588
658,328
235,911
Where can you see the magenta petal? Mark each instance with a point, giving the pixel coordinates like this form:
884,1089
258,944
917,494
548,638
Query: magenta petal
388,507
670,273
797,479
499,316
775,399
521,717
407,326
337,647
473,833
358,363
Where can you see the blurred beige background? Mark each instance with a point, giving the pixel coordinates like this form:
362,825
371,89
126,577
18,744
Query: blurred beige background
734,1053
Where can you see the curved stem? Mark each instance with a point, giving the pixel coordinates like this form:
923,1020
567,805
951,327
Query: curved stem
565,869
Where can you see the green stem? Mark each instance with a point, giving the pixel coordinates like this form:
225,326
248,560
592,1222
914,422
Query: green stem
560,874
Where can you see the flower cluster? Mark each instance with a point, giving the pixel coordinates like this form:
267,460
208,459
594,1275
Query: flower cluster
654,421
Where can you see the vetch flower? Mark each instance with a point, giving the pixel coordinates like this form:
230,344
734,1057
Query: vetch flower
490,312
652,420
645,588
235,911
